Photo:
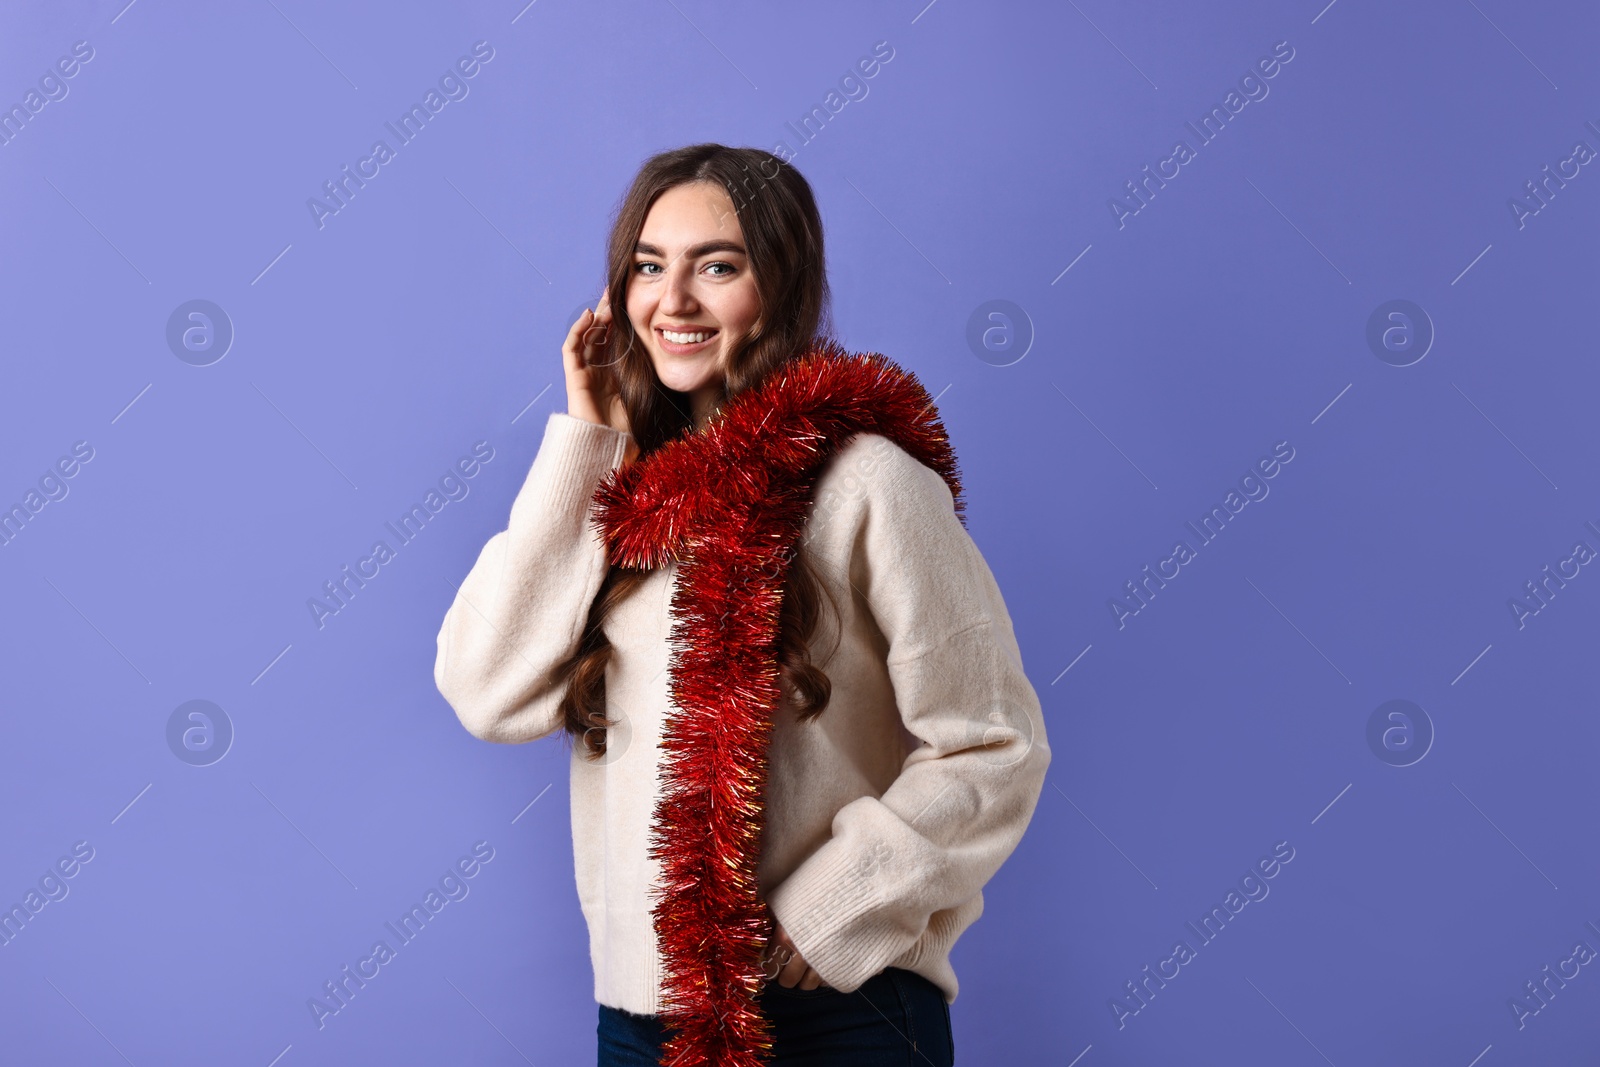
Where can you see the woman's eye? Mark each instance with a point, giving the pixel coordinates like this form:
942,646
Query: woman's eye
731,268
640,267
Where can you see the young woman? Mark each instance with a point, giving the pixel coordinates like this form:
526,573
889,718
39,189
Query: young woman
738,579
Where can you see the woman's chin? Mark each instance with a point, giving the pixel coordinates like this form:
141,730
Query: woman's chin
686,375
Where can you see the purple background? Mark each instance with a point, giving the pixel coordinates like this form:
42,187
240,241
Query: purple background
1227,315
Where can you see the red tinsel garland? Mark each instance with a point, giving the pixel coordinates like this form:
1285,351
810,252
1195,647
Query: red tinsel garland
728,502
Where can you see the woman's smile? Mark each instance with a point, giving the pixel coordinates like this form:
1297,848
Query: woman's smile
683,341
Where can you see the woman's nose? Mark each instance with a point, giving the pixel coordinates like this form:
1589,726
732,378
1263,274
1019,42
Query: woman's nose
677,299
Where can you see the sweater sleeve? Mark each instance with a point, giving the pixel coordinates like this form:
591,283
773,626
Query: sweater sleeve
520,611
963,798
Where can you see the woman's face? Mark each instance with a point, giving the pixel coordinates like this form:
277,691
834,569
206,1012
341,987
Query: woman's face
691,294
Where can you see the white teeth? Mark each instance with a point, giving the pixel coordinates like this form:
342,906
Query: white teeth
684,338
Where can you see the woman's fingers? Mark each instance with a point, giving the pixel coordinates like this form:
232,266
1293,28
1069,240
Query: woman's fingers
596,335
585,384
598,332
790,974
591,393
794,971
778,954
572,359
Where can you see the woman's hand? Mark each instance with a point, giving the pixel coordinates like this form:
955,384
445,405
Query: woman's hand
591,394
783,962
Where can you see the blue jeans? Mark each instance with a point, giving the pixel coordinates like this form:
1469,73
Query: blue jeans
896,1019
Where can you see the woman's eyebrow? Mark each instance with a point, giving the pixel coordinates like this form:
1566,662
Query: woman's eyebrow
645,249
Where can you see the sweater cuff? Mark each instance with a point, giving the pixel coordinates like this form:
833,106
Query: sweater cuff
830,910
581,453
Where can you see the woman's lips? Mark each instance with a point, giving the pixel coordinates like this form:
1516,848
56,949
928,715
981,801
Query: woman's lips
673,348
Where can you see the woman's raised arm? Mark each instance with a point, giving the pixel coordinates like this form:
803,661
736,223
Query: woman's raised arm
522,608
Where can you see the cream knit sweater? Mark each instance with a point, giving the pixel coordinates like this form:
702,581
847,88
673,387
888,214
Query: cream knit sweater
885,816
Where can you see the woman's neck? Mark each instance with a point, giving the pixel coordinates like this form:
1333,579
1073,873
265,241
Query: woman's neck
703,405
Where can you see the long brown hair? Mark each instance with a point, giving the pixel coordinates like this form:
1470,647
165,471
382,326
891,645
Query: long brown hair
782,232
